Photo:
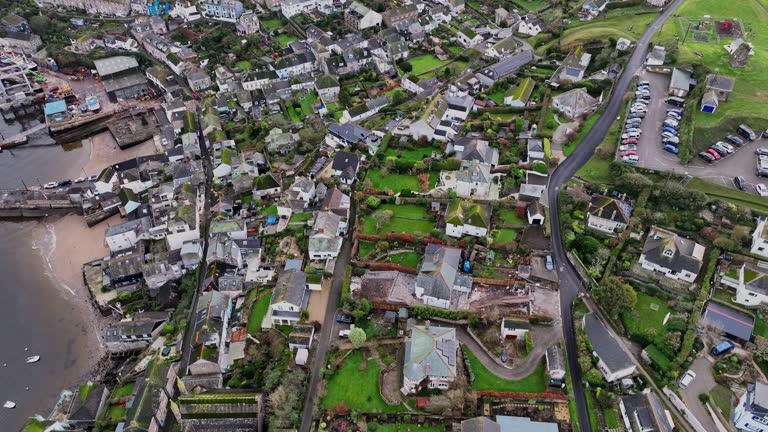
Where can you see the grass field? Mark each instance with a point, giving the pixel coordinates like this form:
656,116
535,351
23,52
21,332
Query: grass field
284,39
485,380
408,218
627,26
301,217
359,389
596,170
571,147
365,248
715,191
532,5
611,418
407,259
505,236
498,95
243,65
397,182
722,397
510,217
649,313
750,94
761,328
258,312
273,24
425,63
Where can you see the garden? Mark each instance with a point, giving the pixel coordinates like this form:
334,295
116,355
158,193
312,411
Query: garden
424,63
355,386
392,218
259,307
383,181
484,379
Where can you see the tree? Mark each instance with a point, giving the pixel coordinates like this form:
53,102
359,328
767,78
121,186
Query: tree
614,296
406,67
586,246
634,182
760,350
372,202
40,24
382,218
357,337
741,234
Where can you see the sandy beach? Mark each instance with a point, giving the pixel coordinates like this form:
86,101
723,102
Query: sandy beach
69,242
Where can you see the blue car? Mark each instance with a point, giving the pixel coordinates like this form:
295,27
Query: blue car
672,149
670,130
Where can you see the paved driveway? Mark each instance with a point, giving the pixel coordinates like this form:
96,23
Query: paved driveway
704,383
649,145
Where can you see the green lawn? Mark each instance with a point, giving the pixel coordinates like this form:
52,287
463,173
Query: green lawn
532,5
115,414
273,24
243,65
722,398
284,39
258,312
569,148
505,236
270,210
416,154
365,248
596,170
748,98
407,259
761,328
399,182
301,217
510,217
627,26
123,391
359,389
307,103
611,418
486,380
498,95
407,218
731,195
646,317
426,63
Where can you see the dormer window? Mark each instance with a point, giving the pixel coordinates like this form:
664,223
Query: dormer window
668,252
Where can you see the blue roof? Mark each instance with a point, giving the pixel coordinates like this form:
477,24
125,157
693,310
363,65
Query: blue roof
514,424
55,107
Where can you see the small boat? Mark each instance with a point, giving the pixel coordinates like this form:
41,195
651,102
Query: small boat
33,359
9,405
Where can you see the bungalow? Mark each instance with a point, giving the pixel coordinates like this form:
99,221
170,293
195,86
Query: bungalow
675,257
573,67
473,180
345,166
536,150
607,214
289,298
612,362
504,68
680,84
760,239
519,95
657,56
645,412
430,356
464,217
439,278
575,103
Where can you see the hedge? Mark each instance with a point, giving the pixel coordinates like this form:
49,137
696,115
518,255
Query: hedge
658,359
690,335
624,4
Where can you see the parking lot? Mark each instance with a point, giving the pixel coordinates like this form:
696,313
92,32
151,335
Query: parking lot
741,162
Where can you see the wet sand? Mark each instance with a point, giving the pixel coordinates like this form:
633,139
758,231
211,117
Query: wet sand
104,151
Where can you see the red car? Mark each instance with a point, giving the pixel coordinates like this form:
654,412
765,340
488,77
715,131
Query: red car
630,141
714,154
628,153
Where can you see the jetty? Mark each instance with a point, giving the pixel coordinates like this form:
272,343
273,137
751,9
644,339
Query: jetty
38,203
21,138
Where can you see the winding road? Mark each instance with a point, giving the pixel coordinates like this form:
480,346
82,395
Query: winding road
570,284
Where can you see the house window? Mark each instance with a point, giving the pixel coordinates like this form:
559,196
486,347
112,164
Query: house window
668,252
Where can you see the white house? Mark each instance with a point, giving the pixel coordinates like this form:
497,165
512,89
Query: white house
126,235
291,8
607,214
613,362
466,218
751,283
295,64
512,329
575,103
345,167
535,213
289,298
474,180
530,25
468,38
675,257
325,240
751,414
760,239
359,17
439,278
430,358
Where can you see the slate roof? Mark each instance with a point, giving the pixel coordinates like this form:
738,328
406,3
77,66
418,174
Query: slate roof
480,424
509,65
682,254
476,172
757,398
646,412
606,347
439,271
721,83
111,65
730,321
430,352
681,79
755,278
609,208
291,287
577,99
344,161
479,150
509,424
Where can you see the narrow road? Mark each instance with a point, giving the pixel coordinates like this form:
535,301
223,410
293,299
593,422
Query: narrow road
569,279
324,341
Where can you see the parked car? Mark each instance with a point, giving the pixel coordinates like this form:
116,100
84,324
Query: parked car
707,157
674,123
674,115
640,115
740,182
643,93
630,135
761,151
746,132
51,185
628,147
65,182
629,141
687,379
733,139
631,159
549,264
721,151
644,82
669,136
344,333
722,348
761,189
639,108
672,149
671,141
638,130
344,318
676,101
669,131
725,146
714,154
628,153
677,111
762,172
